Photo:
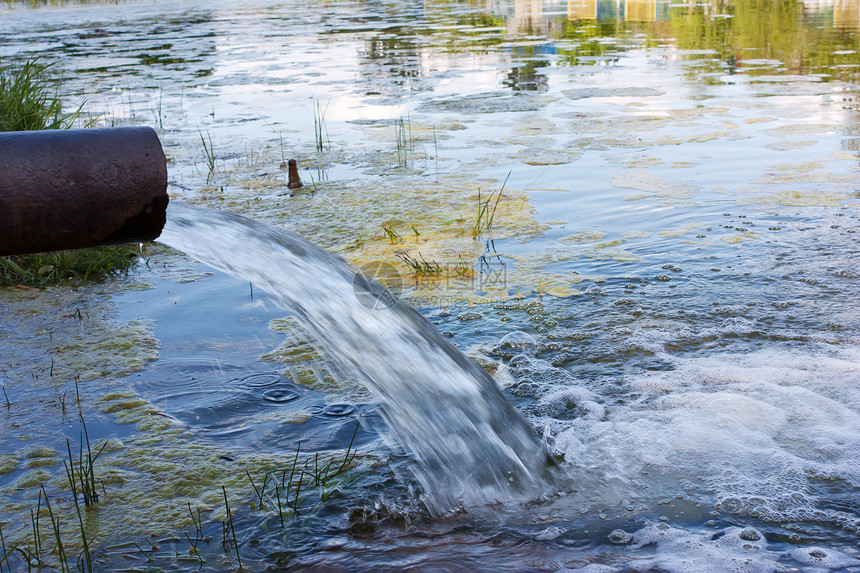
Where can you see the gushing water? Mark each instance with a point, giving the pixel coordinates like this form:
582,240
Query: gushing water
470,445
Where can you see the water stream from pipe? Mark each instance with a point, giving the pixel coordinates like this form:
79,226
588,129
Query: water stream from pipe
471,446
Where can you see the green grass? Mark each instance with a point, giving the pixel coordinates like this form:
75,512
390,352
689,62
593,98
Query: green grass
420,265
322,141
486,216
208,152
29,100
393,236
41,269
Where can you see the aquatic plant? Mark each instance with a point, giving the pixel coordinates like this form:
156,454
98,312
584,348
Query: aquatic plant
289,486
321,136
393,236
403,140
159,107
83,478
422,266
55,526
80,479
485,217
208,152
232,528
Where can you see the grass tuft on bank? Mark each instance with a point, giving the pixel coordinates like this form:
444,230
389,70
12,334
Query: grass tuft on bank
29,100
41,269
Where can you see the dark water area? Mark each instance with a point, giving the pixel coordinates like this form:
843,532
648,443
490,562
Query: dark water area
667,291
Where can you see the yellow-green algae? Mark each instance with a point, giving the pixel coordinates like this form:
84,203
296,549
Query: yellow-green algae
303,363
39,456
644,181
797,198
58,342
434,219
431,214
8,462
74,334
149,480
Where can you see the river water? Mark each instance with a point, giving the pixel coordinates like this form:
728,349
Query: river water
665,289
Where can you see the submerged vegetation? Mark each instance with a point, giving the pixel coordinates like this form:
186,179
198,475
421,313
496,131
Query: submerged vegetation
301,487
29,101
404,141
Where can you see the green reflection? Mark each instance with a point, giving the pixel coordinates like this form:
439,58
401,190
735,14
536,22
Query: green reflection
755,37
767,37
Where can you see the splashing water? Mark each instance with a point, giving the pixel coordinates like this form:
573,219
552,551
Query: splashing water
470,445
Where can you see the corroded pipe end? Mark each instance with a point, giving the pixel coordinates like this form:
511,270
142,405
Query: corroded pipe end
75,188
295,181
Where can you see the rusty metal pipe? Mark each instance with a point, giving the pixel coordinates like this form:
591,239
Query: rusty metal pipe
75,188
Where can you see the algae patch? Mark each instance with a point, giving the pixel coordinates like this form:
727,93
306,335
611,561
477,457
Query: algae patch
305,364
643,181
70,334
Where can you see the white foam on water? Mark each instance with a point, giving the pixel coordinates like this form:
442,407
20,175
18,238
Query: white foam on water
732,550
821,558
747,434
668,549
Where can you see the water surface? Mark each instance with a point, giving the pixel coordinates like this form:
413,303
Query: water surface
670,280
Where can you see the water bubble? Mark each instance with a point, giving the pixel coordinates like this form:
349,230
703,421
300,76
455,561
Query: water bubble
280,395
338,410
552,532
620,537
822,557
518,339
468,316
526,389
